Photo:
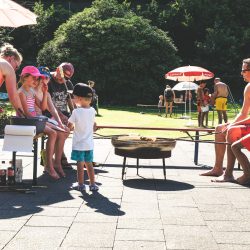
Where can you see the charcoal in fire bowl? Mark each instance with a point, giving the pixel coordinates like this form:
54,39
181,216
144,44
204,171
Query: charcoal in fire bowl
143,144
38,121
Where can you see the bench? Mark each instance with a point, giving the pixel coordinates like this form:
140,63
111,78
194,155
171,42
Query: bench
35,158
153,107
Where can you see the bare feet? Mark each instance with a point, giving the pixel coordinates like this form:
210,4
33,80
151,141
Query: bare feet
60,171
213,172
243,180
52,173
224,178
66,164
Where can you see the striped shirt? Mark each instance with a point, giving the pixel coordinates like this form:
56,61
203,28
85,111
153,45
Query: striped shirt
30,100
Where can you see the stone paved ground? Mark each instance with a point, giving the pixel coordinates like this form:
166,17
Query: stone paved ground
186,211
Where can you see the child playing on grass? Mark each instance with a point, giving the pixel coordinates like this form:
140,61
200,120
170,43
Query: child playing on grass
82,121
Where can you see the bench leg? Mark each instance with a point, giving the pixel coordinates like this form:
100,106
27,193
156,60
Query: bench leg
123,167
196,148
238,166
35,163
137,166
164,168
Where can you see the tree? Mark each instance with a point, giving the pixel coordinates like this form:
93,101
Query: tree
121,51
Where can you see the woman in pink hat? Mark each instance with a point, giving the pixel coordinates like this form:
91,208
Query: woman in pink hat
29,79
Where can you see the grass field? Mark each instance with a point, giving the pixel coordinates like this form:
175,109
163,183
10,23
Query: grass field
130,116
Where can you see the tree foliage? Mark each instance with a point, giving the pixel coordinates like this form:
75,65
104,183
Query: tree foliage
121,51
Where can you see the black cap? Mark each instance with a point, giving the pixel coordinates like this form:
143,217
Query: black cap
82,90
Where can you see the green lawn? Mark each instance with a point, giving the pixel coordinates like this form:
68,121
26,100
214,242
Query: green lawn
125,116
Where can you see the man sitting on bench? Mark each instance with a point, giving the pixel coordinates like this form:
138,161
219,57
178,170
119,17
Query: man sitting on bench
237,134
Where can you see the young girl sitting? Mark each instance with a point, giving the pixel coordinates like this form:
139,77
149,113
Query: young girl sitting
29,79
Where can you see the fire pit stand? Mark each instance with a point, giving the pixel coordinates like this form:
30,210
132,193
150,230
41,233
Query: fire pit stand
152,153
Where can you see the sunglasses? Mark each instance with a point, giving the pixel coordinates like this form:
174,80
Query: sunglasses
245,70
66,77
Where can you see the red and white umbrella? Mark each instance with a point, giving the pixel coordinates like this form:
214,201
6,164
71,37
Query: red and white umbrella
189,73
14,15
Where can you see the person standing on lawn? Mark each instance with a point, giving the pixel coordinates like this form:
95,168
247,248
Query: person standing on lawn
220,96
169,97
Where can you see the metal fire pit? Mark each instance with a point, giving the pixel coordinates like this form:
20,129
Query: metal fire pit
143,148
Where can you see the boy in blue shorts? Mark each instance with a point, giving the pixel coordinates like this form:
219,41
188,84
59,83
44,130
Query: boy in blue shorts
82,121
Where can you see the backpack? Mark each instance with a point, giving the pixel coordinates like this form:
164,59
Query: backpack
169,93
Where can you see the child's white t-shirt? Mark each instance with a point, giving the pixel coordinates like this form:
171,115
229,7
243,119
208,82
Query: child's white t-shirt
83,120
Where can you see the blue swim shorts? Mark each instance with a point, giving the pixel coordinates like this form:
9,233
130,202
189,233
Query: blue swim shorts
86,156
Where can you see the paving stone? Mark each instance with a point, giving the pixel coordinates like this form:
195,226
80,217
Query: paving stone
176,200
58,211
186,211
136,245
38,238
90,235
216,207
189,237
11,224
140,210
241,238
139,235
49,221
102,205
84,248
137,223
222,215
181,216
95,217
17,213
5,237
233,247
229,226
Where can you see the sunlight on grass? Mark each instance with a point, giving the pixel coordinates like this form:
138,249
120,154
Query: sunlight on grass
131,117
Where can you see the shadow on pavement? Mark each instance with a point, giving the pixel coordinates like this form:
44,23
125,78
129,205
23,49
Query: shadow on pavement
157,184
102,204
47,192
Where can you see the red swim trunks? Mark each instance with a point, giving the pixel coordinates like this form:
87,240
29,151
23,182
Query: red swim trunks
245,141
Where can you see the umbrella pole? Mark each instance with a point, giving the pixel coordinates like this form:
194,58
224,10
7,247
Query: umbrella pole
185,104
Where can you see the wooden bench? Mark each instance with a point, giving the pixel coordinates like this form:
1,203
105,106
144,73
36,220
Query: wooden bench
153,107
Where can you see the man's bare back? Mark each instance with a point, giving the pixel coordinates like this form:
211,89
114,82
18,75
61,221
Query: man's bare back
221,89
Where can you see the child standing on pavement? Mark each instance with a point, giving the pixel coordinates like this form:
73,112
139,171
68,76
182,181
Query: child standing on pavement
82,121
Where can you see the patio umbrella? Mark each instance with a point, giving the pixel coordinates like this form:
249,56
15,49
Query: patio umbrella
189,73
185,86
15,15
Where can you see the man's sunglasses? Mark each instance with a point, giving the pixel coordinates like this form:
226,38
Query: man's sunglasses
245,70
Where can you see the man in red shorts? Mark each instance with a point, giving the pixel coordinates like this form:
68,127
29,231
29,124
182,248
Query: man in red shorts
237,134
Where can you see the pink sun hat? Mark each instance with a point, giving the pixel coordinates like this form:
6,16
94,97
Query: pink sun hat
32,70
